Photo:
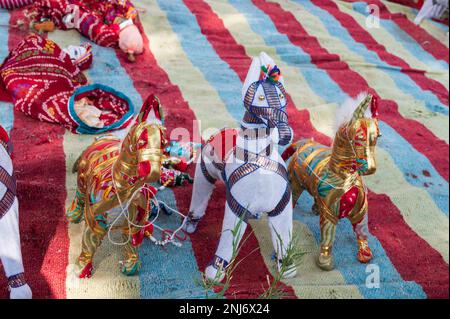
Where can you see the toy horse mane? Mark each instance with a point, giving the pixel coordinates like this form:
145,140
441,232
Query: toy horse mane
346,112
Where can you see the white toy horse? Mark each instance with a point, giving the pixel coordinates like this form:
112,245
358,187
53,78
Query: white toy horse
248,162
10,252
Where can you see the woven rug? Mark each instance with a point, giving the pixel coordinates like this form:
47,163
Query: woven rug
196,58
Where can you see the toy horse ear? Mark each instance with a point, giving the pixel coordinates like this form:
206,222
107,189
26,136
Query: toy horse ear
360,111
151,110
252,75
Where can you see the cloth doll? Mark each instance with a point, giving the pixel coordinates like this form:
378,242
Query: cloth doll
110,23
47,83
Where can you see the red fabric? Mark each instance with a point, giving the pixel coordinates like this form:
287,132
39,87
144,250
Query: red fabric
3,135
348,202
223,142
102,100
12,4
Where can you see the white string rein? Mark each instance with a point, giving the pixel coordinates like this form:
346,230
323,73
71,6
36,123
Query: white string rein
125,213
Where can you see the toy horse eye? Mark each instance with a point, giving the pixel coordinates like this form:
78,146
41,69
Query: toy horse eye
141,142
262,97
281,96
380,135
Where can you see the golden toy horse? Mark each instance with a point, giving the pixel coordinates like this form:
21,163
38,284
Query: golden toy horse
110,172
333,176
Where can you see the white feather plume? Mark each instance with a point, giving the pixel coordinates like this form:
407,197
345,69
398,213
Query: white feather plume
344,112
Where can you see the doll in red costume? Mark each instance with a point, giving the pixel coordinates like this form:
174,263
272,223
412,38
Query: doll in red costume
109,23
46,82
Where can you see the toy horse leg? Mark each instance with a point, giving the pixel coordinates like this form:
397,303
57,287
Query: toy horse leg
75,214
11,256
233,230
328,232
361,230
281,231
130,265
91,241
297,190
201,194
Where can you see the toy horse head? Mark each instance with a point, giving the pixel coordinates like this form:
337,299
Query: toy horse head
265,98
356,139
145,142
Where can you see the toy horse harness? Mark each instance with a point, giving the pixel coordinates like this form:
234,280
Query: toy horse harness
10,183
252,162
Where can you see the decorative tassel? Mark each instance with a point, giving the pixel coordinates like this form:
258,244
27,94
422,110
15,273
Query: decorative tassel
269,74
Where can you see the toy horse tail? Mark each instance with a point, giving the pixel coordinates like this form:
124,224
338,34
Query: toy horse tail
76,165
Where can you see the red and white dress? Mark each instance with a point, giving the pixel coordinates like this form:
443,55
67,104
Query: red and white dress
46,84
97,20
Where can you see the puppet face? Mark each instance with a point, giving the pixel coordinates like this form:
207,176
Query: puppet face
130,40
80,55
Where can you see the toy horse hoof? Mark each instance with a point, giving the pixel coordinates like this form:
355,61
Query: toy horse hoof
325,263
86,272
325,260
131,266
364,253
190,227
213,274
23,292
